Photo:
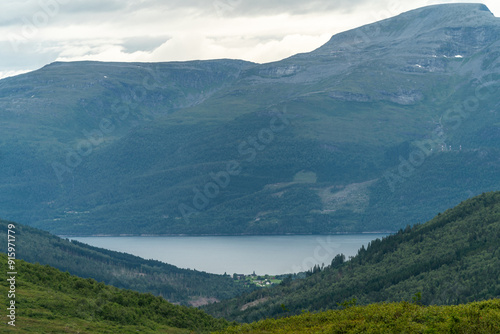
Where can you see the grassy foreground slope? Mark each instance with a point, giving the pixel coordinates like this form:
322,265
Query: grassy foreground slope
50,301
184,286
452,259
479,317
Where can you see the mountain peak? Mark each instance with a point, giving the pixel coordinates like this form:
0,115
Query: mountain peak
454,8
430,22
455,14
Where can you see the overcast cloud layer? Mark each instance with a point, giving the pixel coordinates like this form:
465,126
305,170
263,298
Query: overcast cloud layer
34,33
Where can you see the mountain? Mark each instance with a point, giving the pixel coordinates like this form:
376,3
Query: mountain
383,126
182,286
452,259
47,300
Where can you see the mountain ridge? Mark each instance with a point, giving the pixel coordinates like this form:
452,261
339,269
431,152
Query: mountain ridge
96,148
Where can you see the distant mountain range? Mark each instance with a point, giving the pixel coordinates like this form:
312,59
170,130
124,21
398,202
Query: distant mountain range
385,125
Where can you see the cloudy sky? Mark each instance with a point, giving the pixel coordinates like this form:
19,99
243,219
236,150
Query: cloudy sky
34,33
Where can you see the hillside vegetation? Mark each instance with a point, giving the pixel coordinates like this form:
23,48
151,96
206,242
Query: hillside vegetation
452,259
120,269
474,318
50,301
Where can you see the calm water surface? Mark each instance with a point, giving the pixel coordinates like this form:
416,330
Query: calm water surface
239,254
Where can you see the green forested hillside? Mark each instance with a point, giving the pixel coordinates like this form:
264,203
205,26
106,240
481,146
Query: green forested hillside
50,301
383,126
474,318
120,269
452,259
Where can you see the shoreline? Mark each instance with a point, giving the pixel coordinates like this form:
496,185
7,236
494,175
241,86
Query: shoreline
212,235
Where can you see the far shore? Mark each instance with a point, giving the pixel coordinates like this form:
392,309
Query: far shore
216,235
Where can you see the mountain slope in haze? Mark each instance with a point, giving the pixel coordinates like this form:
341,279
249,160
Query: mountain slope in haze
183,286
452,259
383,126
50,301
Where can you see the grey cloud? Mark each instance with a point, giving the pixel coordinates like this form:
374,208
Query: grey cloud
252,7
297,7
25,20
29,55
143,43
18,12
14,12
92,6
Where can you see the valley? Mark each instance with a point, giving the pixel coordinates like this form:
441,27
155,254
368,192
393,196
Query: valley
353,188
